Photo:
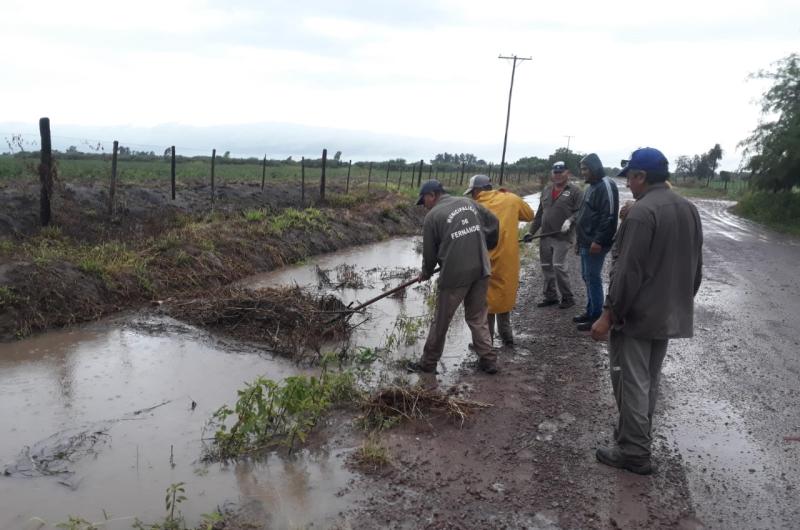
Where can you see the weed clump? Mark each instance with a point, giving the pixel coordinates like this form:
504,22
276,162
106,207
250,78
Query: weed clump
403,402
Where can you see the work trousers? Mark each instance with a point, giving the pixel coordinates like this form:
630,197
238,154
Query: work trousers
591,270
475,314
553,257
503,326
635,371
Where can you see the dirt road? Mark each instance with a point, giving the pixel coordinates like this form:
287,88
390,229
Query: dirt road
728,412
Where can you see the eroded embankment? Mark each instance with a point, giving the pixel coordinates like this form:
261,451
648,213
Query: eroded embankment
53,278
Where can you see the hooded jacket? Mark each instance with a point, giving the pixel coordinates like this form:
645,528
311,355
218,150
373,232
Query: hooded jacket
597,218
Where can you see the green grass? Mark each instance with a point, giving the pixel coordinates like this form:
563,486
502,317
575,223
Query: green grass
715,190
254,215
294,218
779,211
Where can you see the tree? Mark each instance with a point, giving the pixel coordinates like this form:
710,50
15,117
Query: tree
684,167
569,157
774,146
712,159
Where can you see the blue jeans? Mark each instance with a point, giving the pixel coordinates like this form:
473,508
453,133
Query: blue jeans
591,268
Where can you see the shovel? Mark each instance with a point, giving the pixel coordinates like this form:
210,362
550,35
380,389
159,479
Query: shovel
542,235
351,310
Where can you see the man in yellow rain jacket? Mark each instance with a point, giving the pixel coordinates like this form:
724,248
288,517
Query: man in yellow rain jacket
510,209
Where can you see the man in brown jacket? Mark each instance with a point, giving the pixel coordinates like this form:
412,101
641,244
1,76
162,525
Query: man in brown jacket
655,273
558,206
457,234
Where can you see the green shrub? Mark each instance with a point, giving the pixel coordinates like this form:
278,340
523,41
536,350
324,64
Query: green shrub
780,210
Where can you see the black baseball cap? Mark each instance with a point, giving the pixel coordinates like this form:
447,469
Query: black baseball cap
429,186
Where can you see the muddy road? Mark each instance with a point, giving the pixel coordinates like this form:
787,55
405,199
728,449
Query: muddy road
725,433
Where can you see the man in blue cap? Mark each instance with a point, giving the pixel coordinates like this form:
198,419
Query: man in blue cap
457,235
656,264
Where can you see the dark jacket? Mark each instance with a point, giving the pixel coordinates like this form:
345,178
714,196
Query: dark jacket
597,219
455,235
656,267
551,214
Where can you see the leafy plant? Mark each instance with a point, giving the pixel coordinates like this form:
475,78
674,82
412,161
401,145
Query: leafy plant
268,413
175,496
77,523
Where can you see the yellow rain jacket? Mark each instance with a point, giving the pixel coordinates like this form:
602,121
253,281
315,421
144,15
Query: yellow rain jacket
510,209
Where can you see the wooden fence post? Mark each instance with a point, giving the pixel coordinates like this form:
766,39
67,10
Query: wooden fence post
113,188
322,176
419,177
172,170
213,187
369,177
463,165
303,182
400,178
347,186
430,172
45,172
263,172
388,165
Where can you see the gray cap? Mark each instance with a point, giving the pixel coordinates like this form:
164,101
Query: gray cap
478,182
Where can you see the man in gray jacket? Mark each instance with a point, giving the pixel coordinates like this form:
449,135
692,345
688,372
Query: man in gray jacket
655,273
456,232
558,206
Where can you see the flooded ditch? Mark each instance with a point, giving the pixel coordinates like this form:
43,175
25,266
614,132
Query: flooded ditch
100,419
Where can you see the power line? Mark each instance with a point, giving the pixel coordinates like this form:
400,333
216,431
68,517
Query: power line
514,58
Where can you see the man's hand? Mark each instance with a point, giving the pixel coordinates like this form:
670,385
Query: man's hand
565,227
601,326
527,237
422,277
595,248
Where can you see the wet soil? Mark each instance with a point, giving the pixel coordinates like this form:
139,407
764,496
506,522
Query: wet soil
528,462
173,249
724,430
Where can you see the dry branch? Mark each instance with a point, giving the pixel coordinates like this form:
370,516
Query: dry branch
289,320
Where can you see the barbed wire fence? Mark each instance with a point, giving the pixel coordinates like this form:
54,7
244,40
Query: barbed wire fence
117,162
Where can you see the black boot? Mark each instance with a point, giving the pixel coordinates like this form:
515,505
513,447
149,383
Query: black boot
612,457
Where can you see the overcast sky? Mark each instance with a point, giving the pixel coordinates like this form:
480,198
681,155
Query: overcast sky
419,75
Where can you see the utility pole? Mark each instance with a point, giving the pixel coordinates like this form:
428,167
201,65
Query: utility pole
568,137
514,58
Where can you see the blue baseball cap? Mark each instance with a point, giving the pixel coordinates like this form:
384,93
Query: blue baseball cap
429,186
559,167
646,159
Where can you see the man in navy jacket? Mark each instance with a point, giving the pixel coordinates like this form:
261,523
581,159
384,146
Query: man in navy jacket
596,226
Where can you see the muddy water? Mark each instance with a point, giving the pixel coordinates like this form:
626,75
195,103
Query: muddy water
127,399
96,379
